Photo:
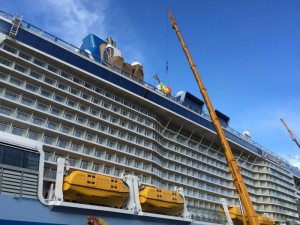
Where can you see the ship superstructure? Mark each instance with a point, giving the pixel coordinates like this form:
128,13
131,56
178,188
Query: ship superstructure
90,107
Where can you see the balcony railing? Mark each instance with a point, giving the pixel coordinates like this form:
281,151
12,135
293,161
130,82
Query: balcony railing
76,50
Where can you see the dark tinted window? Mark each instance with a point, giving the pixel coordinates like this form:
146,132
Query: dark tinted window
18,157
31,161
13,157
1,153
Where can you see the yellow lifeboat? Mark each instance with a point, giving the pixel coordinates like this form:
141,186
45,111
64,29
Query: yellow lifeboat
161,201
237,218
97,189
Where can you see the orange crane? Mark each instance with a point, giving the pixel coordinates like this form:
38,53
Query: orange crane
290,132
233,166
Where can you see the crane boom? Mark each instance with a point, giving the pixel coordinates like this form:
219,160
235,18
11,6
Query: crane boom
233,167
290,132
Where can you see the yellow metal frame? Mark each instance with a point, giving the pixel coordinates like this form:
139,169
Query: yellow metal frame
234,169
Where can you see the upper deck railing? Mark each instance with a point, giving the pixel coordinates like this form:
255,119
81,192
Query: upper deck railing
28,26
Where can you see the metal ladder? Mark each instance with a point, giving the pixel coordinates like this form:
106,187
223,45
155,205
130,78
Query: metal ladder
16,23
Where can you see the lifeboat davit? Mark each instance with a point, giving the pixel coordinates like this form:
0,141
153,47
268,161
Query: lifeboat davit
161,201
97,189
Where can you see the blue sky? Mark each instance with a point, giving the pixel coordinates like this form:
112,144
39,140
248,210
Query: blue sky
247,52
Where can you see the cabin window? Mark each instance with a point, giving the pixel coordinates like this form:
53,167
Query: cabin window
45,93
76,80
65,75
33,135
62,143
117,172
3,76
105,104
96,167
82,108
77,133
80,120
136,164
120,147
85,96
31,87
35,74
39,62
26,101
58,98
93,112
41,106
65,130
68,116
55,111
10,95
25,56
74,147
49,80
84,164
118,159
15,81
37,121
20,68
71,103
10,49
5,111
144,179
111,131
17,131
106,169
72,161
48,140
96,100
52,69
100,140
22,116
104,116
98,90
74,91
86,150
108,156
91,124
98,153
5,62
88,85
61,86
3,127
89,137
145,155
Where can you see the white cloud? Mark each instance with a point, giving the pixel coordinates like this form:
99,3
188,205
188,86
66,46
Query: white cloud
264,118
72,20
295,160
263,121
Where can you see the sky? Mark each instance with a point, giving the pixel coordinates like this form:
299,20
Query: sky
247,52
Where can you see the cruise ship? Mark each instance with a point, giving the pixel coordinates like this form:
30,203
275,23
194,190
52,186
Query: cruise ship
76,119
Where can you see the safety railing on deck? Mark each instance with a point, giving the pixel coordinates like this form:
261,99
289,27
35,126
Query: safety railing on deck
76,50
